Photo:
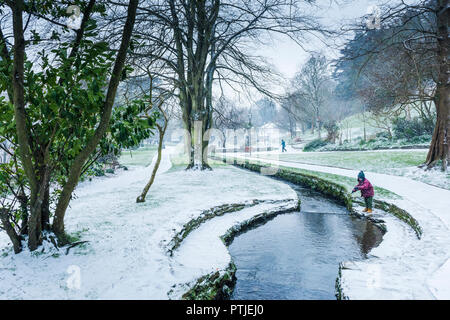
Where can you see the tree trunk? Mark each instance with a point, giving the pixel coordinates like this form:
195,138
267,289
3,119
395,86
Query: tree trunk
23,200
439,142
198,120
80,159
15,238
46,209
22,125
162,131
439,147
199,143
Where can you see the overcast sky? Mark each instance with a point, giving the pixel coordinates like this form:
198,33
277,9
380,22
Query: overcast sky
287,57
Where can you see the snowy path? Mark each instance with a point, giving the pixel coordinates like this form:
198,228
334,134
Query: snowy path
424,263
126,257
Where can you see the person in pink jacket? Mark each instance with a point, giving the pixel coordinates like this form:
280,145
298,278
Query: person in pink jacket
366,189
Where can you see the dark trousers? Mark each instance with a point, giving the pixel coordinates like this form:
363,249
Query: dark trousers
368,202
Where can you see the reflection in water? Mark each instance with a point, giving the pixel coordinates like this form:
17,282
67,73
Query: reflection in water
296,256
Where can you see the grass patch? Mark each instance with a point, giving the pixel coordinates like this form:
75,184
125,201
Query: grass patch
346,182
76,236
398,163
139,157
375,161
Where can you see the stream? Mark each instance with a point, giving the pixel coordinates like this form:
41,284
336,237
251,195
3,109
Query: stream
296,256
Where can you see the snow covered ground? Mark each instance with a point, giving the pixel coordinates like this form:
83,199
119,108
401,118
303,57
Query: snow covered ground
402,267
126,256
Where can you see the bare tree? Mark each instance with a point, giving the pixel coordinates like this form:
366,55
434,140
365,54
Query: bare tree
156,104
418,33
206,42
228,116
313,85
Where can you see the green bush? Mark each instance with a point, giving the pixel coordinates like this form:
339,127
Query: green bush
98,172
421,139
383,135
314,145
332,131
411,129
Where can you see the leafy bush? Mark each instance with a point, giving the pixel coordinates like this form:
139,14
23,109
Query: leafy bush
98,172
425,138
383,135
411,129
315,144
332,131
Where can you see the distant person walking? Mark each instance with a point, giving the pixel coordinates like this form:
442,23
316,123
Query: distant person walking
366,189
283,146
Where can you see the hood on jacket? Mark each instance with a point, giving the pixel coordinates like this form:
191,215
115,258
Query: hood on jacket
361,176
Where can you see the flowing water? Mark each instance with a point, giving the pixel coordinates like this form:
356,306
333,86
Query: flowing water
296,256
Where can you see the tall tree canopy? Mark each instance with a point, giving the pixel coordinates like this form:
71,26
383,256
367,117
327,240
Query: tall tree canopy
57,93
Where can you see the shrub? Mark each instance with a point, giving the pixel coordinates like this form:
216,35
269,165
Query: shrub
314,145
98,172
421,139
383,135
332,131
410,129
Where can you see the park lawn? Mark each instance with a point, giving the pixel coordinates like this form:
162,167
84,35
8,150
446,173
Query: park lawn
376,161
400,163
139,157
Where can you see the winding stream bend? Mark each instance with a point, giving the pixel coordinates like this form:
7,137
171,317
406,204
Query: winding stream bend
296,256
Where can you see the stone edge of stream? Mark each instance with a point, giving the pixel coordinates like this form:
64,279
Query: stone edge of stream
220,284
339,193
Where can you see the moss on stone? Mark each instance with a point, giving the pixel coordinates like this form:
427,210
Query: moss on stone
326,187
207,215
254,222
214,286
219,285
335,191
400,214
338,287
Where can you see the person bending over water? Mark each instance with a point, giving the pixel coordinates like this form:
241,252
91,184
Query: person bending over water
366,189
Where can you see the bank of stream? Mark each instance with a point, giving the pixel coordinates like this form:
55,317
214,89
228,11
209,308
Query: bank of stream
297,255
